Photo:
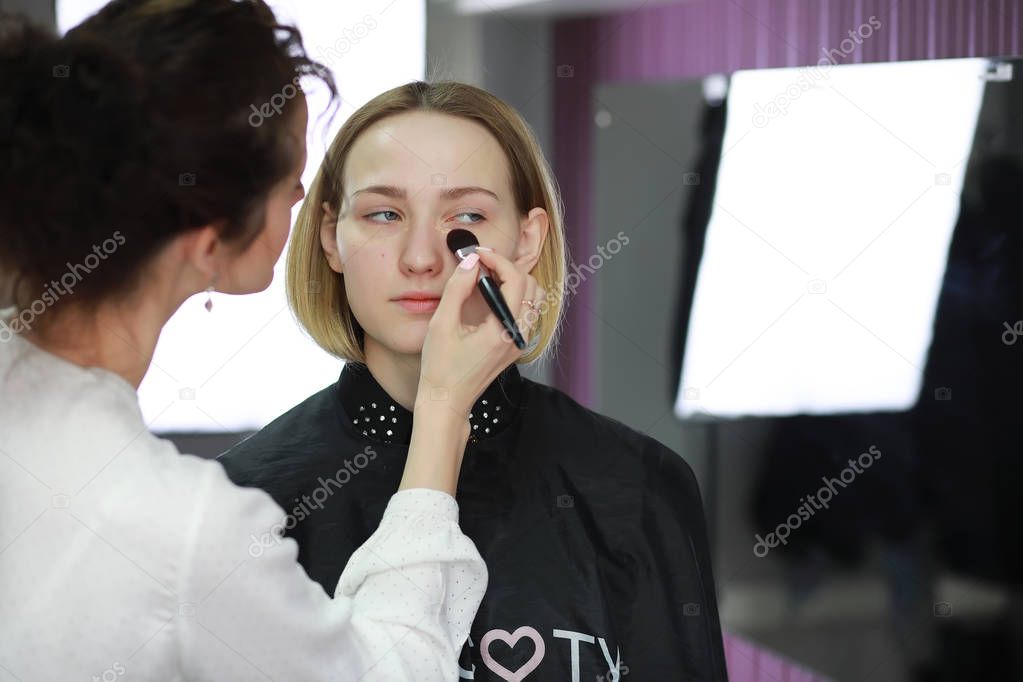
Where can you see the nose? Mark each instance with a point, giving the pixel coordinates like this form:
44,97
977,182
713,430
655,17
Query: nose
424,249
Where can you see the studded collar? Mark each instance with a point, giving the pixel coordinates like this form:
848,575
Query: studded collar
378,417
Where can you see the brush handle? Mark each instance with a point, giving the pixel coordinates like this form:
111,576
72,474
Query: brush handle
496,301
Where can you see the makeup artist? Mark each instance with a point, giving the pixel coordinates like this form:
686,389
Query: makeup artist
121,196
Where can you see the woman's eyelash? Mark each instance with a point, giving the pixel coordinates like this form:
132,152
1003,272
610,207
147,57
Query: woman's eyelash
478,216
370,215
473,222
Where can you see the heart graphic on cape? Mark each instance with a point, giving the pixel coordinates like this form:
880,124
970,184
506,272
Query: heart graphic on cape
511,639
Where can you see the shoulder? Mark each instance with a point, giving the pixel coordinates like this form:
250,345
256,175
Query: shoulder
296,424
154,486
605,443
285,448
176,516
85,436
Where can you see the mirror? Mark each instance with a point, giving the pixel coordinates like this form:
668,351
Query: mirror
837,257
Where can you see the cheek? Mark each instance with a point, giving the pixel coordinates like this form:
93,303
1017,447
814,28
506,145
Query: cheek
278,235
366,254
356,242
275,236
364,268
367,279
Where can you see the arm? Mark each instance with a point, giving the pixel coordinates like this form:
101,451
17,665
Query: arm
401,611
436,447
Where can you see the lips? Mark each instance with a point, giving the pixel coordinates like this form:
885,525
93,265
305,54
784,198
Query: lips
419,303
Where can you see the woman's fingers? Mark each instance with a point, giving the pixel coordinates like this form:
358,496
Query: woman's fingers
458,288
526,316
516,287
531,315
512,281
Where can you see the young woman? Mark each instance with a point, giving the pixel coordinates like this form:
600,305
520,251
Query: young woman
131,180
593,533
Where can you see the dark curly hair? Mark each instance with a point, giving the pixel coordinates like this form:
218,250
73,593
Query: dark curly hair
136,127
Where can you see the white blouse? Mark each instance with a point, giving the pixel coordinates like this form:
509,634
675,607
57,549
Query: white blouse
121,558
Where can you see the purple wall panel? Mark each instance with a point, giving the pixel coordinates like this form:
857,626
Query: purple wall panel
749,662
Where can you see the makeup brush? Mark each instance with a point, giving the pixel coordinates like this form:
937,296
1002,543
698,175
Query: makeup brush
462,243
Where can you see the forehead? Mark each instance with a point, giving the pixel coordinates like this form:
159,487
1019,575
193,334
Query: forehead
420,148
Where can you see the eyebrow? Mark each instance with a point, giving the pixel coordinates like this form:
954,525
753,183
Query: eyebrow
399,193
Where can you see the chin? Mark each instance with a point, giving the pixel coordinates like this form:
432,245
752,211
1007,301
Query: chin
409,343
257,285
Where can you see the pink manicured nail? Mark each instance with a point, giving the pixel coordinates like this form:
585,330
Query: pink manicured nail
484,248
469,261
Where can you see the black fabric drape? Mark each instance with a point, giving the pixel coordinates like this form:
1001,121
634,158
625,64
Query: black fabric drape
593,535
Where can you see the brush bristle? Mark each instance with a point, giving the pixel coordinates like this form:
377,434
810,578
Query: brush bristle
459,239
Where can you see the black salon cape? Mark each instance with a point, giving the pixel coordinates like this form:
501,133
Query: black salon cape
593,535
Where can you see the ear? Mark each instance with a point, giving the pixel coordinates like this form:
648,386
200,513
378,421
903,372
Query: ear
328,239
203,249
532,236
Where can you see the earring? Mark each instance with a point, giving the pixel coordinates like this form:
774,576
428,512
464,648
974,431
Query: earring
209,295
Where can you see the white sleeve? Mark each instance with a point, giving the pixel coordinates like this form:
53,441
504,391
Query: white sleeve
401,611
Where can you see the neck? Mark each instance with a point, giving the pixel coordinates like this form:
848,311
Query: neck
119,337
398,374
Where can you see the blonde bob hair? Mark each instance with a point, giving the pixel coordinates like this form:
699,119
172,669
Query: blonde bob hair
316,293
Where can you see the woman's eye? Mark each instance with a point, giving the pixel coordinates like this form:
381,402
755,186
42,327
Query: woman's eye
469,222
384,213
